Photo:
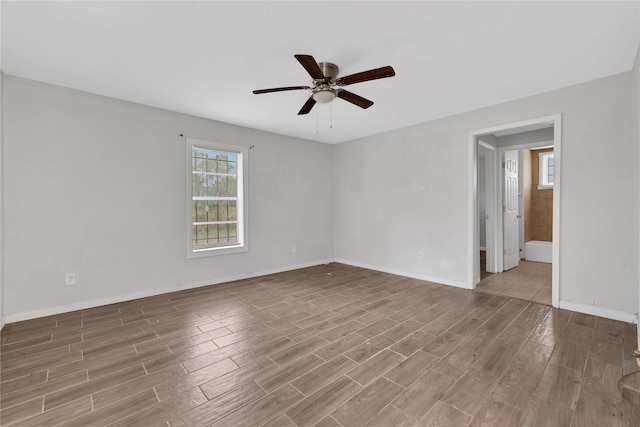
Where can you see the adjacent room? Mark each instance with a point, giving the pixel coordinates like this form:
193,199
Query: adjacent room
319,213
525,268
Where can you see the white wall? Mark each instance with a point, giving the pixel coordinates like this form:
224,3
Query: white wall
2,312
95,186
408,190
2,315
635,117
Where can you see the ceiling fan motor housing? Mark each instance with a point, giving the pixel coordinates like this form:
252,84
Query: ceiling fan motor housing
329,70
323,92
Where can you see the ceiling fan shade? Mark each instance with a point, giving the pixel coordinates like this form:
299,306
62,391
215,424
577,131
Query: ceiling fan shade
324,94
326,84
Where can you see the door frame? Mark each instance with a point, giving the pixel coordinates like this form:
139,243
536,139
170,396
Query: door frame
473,245
492,177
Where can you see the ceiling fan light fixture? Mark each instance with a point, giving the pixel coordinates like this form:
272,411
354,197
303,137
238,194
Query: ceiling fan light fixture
324,95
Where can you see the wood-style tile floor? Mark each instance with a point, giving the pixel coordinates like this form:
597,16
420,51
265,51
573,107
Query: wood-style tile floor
530,281
331,345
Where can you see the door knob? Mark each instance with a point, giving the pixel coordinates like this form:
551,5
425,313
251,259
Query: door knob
518,216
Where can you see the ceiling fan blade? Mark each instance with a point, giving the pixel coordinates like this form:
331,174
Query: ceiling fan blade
280,89
307,106
377,73
355,99
310,65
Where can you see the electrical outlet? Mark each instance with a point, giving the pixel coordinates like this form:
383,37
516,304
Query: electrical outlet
420,255
294,249
70,279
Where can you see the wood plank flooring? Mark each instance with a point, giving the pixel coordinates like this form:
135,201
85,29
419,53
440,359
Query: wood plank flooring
530,281
331,345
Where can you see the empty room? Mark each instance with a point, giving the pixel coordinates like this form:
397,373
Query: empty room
237,213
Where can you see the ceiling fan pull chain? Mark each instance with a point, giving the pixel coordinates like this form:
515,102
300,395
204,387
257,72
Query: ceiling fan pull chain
331,116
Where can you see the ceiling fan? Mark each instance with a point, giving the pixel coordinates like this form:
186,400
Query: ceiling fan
326,85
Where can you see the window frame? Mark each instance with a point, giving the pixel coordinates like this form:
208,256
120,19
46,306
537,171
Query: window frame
543,171
242,201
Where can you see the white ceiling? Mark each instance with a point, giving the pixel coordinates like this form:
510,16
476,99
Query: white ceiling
205,58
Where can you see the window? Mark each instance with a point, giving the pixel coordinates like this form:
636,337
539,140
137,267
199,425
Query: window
545,181
216,198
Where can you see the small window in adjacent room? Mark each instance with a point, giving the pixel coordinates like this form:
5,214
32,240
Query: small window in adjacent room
216,198
546,159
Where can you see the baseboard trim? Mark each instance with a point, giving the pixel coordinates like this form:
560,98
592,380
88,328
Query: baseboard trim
19,317
437,280
599,311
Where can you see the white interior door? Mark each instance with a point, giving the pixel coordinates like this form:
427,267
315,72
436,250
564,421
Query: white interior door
510,218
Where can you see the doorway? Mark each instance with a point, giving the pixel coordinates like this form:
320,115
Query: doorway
527,218
489,209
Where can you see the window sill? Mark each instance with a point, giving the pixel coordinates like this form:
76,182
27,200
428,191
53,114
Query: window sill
545,187
217,251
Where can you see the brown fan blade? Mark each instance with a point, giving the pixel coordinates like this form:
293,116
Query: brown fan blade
378,73
307,106
280,89
355,99
310,65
